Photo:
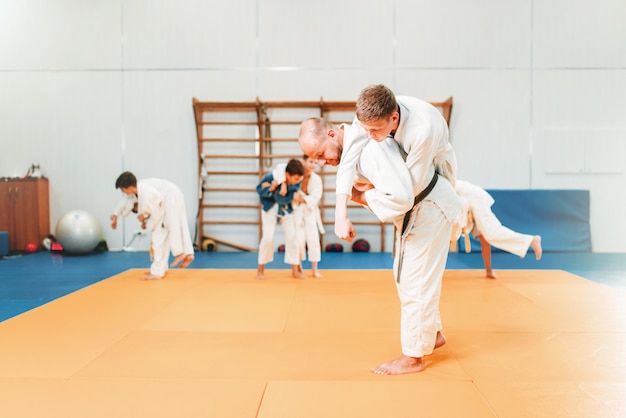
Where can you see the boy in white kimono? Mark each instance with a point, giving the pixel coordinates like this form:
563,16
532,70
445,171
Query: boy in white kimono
306,209
161,204
420,134
276,191
478,219
126,205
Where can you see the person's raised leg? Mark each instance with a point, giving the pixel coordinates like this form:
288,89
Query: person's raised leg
535,244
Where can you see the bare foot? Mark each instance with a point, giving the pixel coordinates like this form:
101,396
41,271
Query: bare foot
260,275
177,260
490,274
401,365
535,244
150,276
441,340
296,272
186,261
317,274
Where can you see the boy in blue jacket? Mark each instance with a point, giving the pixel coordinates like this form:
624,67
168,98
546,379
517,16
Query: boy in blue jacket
276,190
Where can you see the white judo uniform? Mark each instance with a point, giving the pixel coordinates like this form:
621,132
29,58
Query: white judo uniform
125,205
163,203
420,252
268,228
309,224
478,219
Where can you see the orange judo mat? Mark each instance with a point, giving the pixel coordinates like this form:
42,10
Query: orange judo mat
219,343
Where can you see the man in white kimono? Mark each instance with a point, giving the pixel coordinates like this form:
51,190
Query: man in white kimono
162,205
477,218
422,204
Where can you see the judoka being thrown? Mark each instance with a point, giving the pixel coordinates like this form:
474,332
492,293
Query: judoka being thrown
397,178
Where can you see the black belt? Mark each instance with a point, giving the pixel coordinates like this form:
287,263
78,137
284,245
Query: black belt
421,196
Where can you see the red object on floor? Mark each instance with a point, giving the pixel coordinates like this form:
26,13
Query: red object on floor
31,247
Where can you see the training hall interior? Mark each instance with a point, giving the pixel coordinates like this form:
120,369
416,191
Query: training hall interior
210,95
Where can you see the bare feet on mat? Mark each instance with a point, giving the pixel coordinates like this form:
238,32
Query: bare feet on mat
296,272
186,261
149,276
535,244
177,260
401,365
317,274
490,274
441,340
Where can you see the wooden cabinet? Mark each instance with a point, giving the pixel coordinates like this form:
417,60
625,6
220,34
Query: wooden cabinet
24,211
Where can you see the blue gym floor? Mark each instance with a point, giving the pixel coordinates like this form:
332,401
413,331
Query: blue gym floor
29,281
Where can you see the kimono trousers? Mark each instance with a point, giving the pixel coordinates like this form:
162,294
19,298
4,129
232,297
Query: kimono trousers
480,220
308,220
277,209
164,202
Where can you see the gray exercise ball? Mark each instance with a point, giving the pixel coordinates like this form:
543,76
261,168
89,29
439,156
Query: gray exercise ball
78,231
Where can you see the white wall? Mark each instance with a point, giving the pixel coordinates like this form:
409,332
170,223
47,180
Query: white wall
92,88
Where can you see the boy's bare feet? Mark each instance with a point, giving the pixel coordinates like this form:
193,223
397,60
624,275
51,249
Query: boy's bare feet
296,272
317,274
186,261
401,365
260,273
490,274
150,276
177,260
535,244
